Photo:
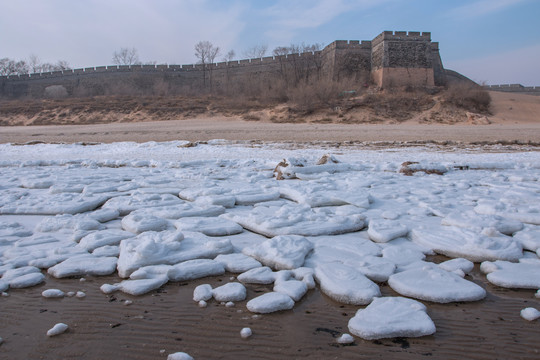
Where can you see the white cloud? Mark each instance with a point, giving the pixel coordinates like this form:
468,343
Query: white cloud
86,33
513,67
482,7
286,17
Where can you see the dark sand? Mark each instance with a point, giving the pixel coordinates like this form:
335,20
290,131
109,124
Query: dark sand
236,129
102,327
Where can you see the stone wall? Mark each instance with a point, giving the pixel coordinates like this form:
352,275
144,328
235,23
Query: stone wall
514,88
391,59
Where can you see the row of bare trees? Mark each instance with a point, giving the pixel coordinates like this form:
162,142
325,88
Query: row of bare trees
33,65
292,71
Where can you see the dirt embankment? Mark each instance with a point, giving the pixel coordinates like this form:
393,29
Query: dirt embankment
512,118
366,107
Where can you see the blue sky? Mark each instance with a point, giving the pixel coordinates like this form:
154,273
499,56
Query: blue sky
492,41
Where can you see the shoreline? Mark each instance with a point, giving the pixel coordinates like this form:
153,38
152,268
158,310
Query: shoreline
204,129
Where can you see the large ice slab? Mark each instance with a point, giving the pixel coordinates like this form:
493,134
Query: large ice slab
128,203
474,221
390,317
317,195
522,275
136,287
209,226
383,230
84,265
195,269
529,237
431,283
140,222
281,252
230,292
292,219
476,247
345,284
39,203
507,208
270,302
103,238
167,247
237,263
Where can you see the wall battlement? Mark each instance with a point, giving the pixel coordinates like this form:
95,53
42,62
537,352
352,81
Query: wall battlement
514,88
361,59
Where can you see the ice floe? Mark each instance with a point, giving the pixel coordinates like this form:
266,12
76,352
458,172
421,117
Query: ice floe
281,252
432,283
202,293
294,219
84,265
57,329
230,292
530,314
156,213
383,230
245,333
474,246
524,274
195,269
179,356
237,262
389,317
345,284
53,293
208,226
270,302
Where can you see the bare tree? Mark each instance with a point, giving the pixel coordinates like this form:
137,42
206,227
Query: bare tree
257,51
34,63
229,56
280,51
298,68
12,67
126,56
206,52
61,65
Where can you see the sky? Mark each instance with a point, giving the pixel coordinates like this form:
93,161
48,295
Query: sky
489,41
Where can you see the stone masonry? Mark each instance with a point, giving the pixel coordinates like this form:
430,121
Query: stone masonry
391,59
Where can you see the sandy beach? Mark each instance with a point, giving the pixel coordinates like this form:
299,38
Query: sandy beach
167,320
101,326
515,118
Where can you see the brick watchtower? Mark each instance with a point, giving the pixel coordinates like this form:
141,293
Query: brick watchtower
400,59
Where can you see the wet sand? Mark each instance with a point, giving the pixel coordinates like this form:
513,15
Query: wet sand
203,129
102,327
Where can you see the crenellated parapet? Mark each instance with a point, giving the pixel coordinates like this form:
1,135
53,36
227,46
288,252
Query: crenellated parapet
393,58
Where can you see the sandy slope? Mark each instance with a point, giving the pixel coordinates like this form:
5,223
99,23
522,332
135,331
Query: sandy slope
515,118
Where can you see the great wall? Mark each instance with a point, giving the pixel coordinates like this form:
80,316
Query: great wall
391,59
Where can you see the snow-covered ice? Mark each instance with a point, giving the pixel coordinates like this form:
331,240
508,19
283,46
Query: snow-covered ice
281,252
389,317
530,313
159,212
474,246
345,339
230,292
237,262
179,356
432,283
345,284
52,293
202,293
524,274
245,333
57,329
270,302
